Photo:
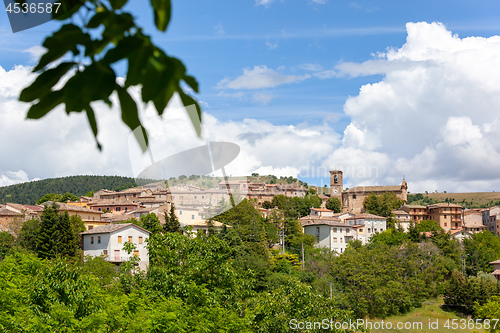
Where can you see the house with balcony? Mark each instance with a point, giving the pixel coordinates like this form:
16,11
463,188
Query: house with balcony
108,241
329,232
448,215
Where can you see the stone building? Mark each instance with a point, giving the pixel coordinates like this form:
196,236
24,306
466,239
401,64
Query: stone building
353,198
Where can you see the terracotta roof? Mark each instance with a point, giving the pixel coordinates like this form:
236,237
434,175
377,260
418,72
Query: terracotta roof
496,272
444,204
333,223
8,212
365,216
400,212
21,207
106,229
365,189
322,210
495,262
415,206
71,208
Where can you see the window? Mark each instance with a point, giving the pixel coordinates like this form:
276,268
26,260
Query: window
118,209
181,197
354,196
369,229
98,239
119,239
334,229
195,196
99,209
130,239
341,239
136,253
91,227
105,253
335,239
180,212
445,224
192,217
126,208
203,197
140,239
360,230
317,234
91,240
108,208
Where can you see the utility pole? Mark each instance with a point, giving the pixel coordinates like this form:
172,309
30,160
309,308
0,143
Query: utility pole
302,256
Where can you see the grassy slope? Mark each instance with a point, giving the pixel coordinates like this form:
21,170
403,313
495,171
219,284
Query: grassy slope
430,311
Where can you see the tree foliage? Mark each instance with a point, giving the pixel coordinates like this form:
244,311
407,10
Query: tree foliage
334,204
29,193
172,223
59,234
382,205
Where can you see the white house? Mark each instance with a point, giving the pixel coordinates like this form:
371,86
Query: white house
108,241
329,233
367,225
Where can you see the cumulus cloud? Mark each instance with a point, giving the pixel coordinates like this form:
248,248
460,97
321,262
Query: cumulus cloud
259,77
60,145
434,115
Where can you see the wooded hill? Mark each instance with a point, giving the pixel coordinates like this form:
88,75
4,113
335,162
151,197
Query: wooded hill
29,193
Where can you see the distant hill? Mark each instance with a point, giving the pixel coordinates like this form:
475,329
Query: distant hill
29,193
467,199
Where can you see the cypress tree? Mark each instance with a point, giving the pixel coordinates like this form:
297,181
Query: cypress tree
172,222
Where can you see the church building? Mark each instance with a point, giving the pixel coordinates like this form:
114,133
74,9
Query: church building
353,198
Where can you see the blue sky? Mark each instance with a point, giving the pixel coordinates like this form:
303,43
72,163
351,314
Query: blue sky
303,83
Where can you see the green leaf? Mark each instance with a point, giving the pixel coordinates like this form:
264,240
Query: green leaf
44,82
47,103
136,61
162,11
130,115
191,81
117,4
93,124
98,19
124,47
62,41
96,82
194,115
67,9
161,101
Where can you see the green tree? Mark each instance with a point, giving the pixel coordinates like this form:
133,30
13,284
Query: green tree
59,234
334,204
172,223
29,234
102,36
151,223
382,205
6,243
481,249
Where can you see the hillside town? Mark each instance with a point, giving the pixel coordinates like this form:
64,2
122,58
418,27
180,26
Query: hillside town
107,212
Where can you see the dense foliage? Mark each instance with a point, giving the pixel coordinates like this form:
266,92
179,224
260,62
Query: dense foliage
30,193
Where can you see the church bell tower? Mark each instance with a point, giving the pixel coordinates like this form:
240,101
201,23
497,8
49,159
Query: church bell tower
336,185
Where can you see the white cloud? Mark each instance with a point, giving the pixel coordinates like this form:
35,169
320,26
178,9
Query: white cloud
263,2
61,145
263,97
35,52
14,177
311,67
219,30
271,46
434,115
259,77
